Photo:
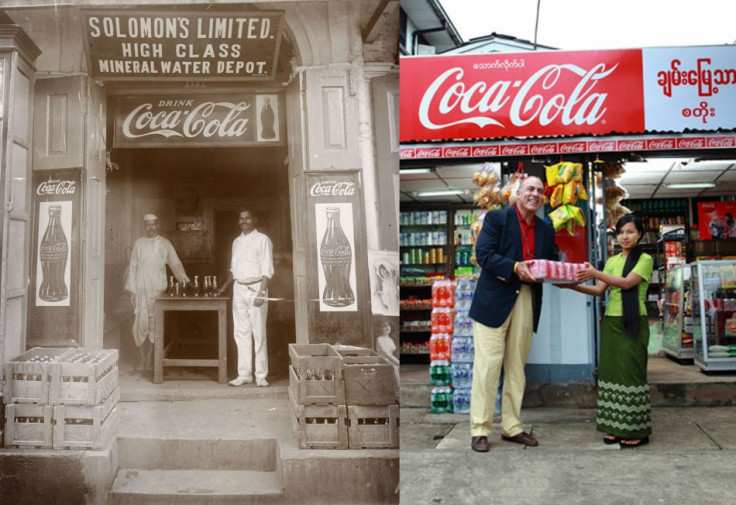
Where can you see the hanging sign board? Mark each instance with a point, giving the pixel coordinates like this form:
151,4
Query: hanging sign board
339,303
183,45
568,93
210,120
54,300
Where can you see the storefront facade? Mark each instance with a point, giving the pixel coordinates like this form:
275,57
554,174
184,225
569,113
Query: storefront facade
190,112
582,106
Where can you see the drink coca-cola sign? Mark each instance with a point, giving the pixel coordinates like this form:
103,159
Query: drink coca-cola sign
228,120
543,94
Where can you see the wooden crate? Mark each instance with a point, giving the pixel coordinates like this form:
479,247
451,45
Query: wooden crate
353,352
26,378
84,377
86,427
28,425
314,357
373,427
315,391
369,380
319,426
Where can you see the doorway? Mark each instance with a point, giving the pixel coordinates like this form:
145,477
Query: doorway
196,194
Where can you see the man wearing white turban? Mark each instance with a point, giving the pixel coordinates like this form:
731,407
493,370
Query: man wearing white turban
147,280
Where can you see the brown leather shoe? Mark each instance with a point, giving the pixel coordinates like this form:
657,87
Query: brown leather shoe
522,438
479,444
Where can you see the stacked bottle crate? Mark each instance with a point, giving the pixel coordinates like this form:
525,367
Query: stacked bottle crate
61,398
440,345
462,350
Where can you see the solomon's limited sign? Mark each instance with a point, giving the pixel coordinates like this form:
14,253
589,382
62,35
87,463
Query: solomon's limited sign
227,120
182,45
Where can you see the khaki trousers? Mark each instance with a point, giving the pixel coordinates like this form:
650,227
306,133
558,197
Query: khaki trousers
506,346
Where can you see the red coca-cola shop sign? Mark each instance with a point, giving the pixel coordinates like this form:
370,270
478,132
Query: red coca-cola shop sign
567,93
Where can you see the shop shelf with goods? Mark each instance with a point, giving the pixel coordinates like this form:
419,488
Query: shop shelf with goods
677,339
424,245
462,222
713,294
661,218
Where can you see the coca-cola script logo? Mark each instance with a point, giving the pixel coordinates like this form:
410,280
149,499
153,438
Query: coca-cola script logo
706,79
207,119
514,150
56,187
694,143
456,152
485,151
332,188
721,142
608,145
406,154
434,152
543,149
531,101
54,251
572,147
658,144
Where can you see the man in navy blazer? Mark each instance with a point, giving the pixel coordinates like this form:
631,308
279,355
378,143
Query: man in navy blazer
505,311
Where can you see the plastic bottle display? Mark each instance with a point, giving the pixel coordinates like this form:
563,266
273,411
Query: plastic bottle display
461,400
54,253
440,345
441,400
443,293
337,257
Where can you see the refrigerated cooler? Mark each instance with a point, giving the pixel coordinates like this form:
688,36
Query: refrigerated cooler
677,339
713,288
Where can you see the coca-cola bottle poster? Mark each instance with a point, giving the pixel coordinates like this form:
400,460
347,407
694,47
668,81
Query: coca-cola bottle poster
53,261
267,118
336,257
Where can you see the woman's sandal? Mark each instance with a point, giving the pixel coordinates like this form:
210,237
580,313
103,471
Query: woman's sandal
631,443
611,439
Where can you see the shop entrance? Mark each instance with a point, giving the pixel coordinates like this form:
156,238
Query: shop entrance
196,194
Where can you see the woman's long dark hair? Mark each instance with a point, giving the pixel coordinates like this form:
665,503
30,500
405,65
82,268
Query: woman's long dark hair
630,297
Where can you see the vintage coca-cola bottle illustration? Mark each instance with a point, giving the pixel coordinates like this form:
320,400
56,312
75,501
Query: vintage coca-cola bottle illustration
336,255
267,120
54,253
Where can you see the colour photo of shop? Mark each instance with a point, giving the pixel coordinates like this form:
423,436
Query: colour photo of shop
609,132
144,146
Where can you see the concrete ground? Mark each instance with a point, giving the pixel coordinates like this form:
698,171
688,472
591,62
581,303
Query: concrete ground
690,458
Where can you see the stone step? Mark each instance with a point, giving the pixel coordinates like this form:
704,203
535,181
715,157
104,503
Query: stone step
193,487
259,454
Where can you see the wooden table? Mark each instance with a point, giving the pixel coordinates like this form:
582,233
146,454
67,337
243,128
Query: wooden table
187,303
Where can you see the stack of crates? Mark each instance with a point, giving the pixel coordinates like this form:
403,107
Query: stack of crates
371,399
342,398
61,398
317,396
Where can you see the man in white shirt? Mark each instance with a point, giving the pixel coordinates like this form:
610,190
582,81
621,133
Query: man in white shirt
251,269
146,280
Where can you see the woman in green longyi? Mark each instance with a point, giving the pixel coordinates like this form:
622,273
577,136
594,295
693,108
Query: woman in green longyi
624,405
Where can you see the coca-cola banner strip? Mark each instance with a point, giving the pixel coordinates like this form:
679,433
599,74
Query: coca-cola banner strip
211,120
337,262
181,45
54,307
634,143
521,95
